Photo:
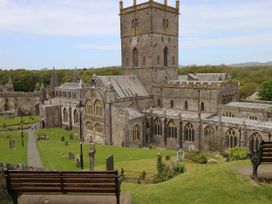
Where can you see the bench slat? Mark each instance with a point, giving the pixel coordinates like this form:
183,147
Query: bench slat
66,180
264,159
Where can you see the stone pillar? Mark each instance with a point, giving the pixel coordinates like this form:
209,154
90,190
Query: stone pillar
163,130
178,136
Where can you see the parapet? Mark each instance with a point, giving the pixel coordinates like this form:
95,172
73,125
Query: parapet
149,4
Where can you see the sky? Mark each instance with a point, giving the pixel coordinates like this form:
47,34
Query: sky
37,34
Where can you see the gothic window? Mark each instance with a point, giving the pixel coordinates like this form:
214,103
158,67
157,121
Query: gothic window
159,102
89,108
186,105
65,115
158,59
136,133
99,128
254,141
76,119
144,60
165,56
202,106
158,127
135,23
98,107
189,133
172,104
89,126
135,57
209,137
173,60
231,139
165,23
172,129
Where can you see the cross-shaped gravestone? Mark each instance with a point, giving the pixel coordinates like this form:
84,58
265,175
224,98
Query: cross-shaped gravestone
92,156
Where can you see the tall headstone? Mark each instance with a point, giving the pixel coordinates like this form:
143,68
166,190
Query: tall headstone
92,156
109,163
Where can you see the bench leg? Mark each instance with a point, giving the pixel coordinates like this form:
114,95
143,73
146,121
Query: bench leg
118,199
14,198
255,172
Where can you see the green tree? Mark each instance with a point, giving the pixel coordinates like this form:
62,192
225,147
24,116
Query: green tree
265,92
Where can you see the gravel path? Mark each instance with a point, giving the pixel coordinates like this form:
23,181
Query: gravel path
33,155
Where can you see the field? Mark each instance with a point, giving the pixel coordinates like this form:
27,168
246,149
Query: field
17,155
17,120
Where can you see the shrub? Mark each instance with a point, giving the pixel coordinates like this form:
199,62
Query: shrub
197,157
166,174
238,153
180,168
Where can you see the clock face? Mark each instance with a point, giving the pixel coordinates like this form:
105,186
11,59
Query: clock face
134,41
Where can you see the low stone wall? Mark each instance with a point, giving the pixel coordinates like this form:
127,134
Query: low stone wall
6,166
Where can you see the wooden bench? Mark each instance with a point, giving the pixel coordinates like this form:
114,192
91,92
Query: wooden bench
62,182
262,155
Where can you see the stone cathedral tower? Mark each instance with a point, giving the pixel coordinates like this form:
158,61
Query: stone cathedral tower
149,38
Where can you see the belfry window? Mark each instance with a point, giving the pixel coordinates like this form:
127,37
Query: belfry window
135,57
165,56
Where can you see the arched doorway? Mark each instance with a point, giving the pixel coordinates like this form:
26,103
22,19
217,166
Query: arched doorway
42,124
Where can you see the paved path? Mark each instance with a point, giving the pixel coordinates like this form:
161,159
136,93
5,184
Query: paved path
33,156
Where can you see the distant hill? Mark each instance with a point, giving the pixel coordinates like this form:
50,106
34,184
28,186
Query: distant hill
251,64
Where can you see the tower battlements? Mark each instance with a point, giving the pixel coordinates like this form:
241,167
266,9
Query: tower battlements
149,4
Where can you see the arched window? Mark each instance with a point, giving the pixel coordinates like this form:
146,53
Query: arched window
65,115
158,127
186,105
202,106
135,57
231,139
159,102
89,126
172,104
99,128
98,107
136,133
209,137
189,133
172,129
165,56
254,141
76,119
89,108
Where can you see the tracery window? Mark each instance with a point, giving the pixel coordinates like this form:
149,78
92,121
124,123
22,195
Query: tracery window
65,115
254,141
89,126
98,108
89,108
136,133
76,119
231,139
189,133
98,128
158,127
172,129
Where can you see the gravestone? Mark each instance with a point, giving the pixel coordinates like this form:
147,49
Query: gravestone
180,155
71,136
109,163
62,138
71,155
167,157
77,160
66,143
12,144
92,156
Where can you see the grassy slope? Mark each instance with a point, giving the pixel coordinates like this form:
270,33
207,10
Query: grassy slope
16,120
18,155
54,153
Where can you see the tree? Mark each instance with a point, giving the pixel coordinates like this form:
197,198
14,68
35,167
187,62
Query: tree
265,92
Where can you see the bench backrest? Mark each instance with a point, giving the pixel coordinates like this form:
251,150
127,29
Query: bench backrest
266,151
63,182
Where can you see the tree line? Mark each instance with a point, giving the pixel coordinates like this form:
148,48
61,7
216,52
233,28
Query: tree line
252,79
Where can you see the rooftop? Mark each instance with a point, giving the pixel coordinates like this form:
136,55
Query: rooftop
262,106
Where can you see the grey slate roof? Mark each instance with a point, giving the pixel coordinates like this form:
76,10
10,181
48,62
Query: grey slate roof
204,77
249,105
69,86
125,86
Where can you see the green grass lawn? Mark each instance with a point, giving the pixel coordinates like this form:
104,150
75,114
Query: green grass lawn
17,155
54,153
17,120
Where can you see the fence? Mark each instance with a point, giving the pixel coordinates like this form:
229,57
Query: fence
137,176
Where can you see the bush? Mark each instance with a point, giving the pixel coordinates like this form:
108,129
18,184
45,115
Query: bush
238,153
197,157
180,168
165,175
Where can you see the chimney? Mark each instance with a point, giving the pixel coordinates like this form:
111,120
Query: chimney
177,5
121,4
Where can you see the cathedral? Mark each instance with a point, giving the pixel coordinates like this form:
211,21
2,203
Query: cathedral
150,104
